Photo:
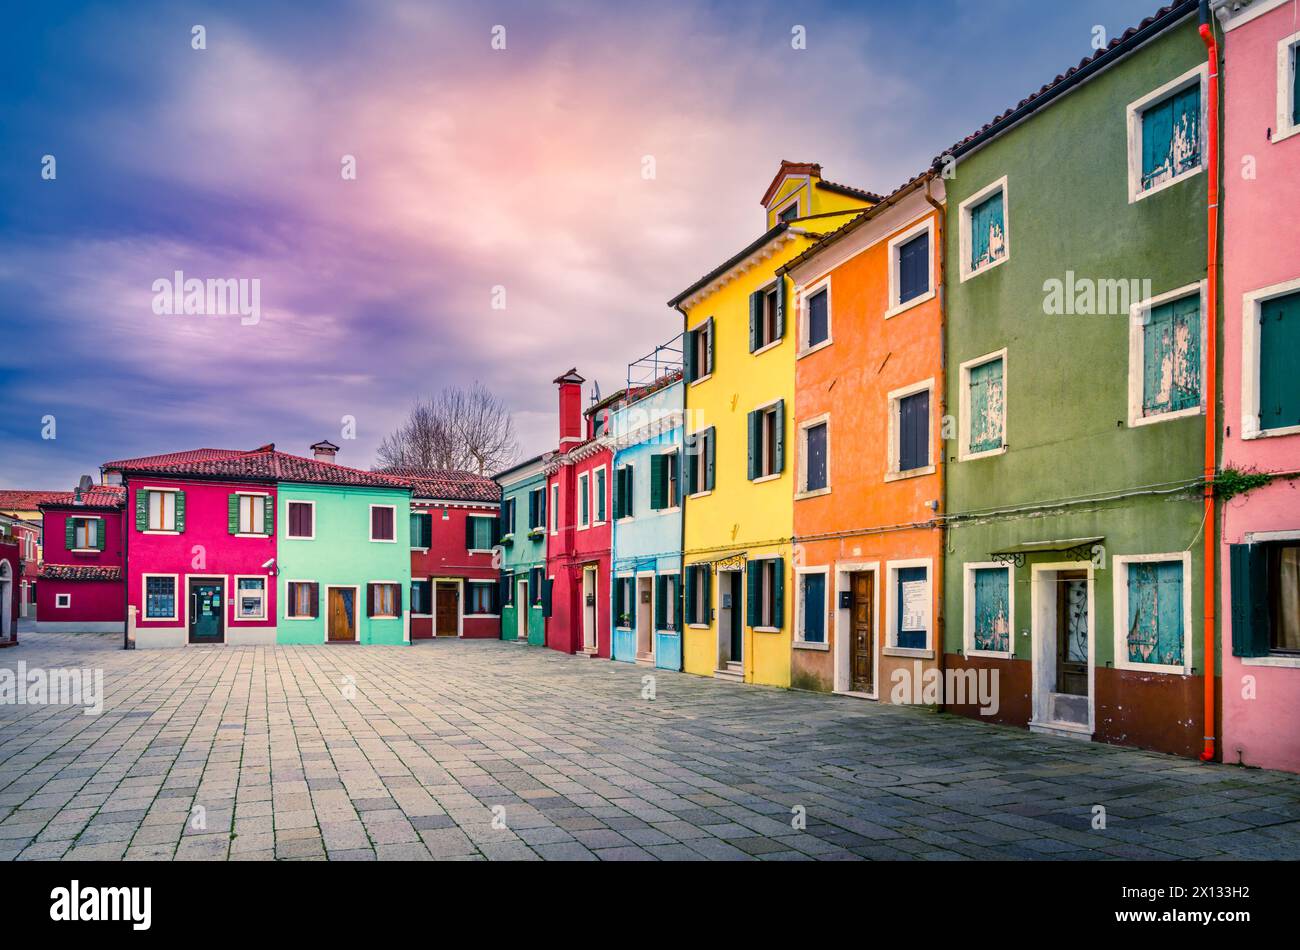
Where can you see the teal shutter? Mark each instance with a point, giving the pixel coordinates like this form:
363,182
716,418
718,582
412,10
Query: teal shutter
754,435
600,495
755,318
232,513
548,590
992,609
1171,357
70,533
619,606
778,592
101,533
658,482
629,506
268,515
1279,352
584,503
751,593
711,351
780,307
779,420
469,533
710,456
180,511
688,356
1248,564
986,407
689,612
987,231
692,448
1155,613
706,578
141,510
1171,136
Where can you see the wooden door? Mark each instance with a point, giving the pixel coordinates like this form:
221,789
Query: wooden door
342,603
446,610
1072,633
862,654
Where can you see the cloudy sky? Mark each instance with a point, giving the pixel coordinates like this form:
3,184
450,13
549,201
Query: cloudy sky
476,168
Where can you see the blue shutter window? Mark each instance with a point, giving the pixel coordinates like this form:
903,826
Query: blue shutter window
914,431
1171,357
912,614
819,324
814,608
1155,613
992,610
1171,136
1279,352
988,240
815,454
914,267
987,407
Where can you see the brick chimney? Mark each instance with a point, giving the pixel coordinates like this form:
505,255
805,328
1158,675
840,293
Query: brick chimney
324,451
570,407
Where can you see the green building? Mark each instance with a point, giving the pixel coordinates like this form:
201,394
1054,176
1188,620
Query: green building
1075,262
524,531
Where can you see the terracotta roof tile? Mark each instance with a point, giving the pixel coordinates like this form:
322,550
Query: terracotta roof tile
99,496
446,484
264,464
189,455
80,572
12,500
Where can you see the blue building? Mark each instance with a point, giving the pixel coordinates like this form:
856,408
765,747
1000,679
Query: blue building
523,544
647,534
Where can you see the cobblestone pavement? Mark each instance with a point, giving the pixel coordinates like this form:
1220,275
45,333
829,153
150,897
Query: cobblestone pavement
264,746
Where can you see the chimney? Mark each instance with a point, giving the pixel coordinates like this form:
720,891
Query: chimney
570,407
324,451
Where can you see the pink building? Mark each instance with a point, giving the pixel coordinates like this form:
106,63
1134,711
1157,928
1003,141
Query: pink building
81,588
1260,577
10,566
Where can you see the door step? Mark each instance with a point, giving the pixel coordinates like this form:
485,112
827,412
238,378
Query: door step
732,671
591,652
646,659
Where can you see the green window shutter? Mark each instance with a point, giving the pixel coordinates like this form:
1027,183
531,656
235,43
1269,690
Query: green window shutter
1248,564
658,482
780,306
415,540
778,592
1171,136
101,532
268,515
711,359
754,435
180,511
618,493
780,437
629,507
986,407
755,318
232,513
548,586
469,532
660,601
1171,357
1279,351
688,356
751,592
689,585
141,510
987,231
600,495
1295,85
710,456
691,448
70,533
706,578
619,606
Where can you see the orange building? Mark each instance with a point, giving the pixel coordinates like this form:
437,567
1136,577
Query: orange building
869,405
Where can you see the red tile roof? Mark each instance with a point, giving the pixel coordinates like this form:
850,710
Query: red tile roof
80,572
12,500
447,485
99,496
179,458
263,464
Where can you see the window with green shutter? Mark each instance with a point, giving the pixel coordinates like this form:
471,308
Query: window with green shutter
1171,357
1155,613
987,407
1171,136
600,495
584,500
1279,352
988,242
479,530
1295,84
1265,588
992,609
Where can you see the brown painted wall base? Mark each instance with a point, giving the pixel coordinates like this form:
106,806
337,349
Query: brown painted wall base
1015,700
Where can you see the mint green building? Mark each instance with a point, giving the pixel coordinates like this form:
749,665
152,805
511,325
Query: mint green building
344,561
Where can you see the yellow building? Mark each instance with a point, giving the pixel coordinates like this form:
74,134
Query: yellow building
742,337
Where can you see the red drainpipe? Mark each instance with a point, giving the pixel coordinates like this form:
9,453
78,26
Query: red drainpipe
1206,31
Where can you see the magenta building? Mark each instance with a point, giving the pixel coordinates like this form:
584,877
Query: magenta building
1260,579
81,588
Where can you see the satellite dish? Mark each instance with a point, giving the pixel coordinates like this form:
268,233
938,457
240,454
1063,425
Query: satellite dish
86,484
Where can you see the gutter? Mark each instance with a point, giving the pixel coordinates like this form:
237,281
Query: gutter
940,520
1206,30
681,546
126,574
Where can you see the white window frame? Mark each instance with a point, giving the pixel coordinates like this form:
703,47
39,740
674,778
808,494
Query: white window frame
805,317
1120,564
890,645
674,607
555,507
62,601
767,476
964,454
895,398
706,570
597,521
370,527
897,241
801,461
486,550
1133,113
799,616
1251,305
144,598
469,583
763,314
963,216
241,495
632,517
701,330
397,616
584,495
619,578
793,199
288,521
149,507
1288,60
1138,317
262,613
699,460
968,597
97,521
289,600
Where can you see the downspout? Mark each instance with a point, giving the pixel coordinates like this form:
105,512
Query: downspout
681,547
126,560
942,467
1206,31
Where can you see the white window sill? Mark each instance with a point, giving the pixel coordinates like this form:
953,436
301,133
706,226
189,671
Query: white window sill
767,346
1137,196
482,616
666,511
384,617
700,626
766,629
809,645
808,351
83,550
1153,668
914,302
420,550
910,473
666,633
251,534
1280,661
1285,132
250,619
983,268
701,494
478,550
626,520
301,537
702,379
383,540
773,476
161,531
991,654
300,618
583,527
908,651
1135,421
986,454
814,493
1251,434
599,524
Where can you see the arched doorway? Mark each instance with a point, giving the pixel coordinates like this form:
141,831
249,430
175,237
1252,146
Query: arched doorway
6,601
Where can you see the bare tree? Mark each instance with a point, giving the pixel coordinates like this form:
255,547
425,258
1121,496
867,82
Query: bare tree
459,429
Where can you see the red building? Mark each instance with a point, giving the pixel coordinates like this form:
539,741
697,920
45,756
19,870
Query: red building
10,567
455,522
24,508
580,494
81,586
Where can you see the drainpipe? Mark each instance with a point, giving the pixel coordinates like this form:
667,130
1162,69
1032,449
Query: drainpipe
681,547
126,575
1206,31
942,467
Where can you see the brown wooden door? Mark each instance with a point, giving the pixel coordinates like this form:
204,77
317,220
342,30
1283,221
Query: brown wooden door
342,612
862,650
446,622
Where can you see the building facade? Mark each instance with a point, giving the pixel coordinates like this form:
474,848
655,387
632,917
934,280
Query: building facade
645,604
739,365
524,529
1076,328
24,507
867,460
10,568
81,589
1260,555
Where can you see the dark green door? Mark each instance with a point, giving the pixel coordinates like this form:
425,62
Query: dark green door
737,626
207,612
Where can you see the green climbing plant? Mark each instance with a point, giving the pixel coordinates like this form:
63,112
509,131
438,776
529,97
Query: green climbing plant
1231,482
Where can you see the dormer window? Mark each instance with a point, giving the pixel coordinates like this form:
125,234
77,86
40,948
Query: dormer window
789,212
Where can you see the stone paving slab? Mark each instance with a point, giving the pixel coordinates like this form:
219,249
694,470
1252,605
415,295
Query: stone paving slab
482,750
